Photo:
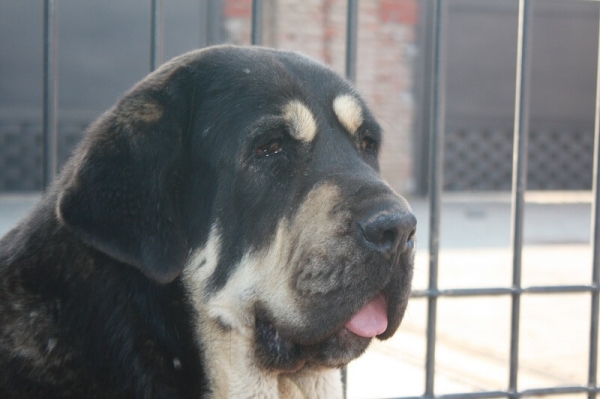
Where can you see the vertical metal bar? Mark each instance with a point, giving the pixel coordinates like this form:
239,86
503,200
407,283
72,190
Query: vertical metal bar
156,42
213,22
436,160
257,17
423,78
203,23
519,180
50,103
351,39
593,359
345,382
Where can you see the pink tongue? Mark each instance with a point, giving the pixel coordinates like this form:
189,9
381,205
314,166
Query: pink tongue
371,320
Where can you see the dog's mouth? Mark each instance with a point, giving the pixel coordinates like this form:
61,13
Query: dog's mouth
371,320
278,352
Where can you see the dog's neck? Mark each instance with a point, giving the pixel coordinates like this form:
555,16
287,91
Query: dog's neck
234,374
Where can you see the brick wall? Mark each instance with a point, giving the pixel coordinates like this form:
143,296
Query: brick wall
386,32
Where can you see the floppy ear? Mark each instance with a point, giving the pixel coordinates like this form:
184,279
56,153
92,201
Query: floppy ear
120,192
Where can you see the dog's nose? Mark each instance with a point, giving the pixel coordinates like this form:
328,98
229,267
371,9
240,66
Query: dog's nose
389,232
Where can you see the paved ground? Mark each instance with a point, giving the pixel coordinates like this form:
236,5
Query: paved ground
473,333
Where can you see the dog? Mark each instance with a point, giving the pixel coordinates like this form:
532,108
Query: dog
221,232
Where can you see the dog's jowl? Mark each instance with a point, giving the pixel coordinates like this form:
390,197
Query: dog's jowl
221,232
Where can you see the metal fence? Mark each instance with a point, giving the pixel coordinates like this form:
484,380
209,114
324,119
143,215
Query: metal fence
519,177
435,129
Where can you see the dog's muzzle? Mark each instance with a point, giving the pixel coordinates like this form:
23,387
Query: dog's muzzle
389,232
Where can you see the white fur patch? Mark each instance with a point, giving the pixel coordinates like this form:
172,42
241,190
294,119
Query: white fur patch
302,121
225,319
200,265
312,384
349,112
224,326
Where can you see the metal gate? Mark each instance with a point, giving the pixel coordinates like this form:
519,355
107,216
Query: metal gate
519,179
435,129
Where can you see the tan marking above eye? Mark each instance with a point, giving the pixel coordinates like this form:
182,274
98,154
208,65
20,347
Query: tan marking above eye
302,121
349,112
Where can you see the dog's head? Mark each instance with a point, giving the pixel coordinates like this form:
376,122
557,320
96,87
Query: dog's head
252,174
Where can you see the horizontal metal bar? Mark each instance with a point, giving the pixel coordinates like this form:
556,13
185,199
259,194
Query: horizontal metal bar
558,391
560,289
460,292
504,394
490,394
494,291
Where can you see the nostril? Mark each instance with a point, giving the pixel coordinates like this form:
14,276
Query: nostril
389,237
381,231
389,232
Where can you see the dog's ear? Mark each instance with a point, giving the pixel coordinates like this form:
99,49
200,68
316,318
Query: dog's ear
121,191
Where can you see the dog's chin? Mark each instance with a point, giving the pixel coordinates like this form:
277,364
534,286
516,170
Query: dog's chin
276,352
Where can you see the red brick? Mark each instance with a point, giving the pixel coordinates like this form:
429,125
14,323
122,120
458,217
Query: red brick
399,11
238,8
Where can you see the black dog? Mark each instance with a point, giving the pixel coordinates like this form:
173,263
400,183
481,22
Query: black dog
221,232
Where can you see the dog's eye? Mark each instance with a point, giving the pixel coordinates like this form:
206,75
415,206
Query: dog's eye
269,148
369,144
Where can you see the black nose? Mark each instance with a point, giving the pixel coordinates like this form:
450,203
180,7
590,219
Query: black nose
389,231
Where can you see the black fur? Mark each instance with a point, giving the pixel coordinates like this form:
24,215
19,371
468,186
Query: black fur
93,327
92,303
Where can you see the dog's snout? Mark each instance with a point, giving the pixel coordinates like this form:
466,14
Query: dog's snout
389,232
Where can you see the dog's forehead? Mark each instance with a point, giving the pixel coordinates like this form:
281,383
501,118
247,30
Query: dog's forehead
346,107
323,88
307,94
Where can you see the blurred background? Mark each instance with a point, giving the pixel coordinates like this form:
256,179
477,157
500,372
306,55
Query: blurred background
104,48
